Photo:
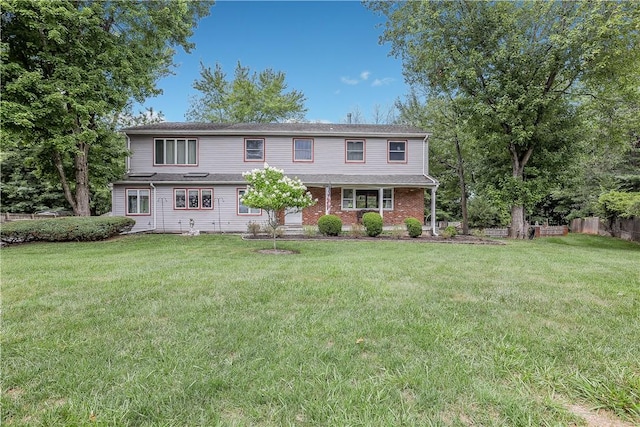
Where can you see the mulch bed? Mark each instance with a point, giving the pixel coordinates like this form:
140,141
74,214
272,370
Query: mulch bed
460,239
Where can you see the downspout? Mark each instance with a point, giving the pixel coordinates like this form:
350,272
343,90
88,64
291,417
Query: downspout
154,202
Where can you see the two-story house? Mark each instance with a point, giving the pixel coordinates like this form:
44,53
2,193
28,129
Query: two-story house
191,173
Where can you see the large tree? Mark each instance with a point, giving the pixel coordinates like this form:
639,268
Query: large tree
525,66
248,98
69,67
450,147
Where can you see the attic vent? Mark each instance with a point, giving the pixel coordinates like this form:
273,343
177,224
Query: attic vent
142,175
196,174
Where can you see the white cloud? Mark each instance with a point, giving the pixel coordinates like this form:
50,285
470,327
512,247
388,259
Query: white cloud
365,75
383,82
349,81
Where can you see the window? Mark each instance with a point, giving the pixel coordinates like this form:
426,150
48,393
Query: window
193,198
246,210
254,150
176,152
355,151
138,202
367,198
206,199
303,150
398,151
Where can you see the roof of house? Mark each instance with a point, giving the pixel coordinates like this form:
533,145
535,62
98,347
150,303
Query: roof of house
310,180
298,129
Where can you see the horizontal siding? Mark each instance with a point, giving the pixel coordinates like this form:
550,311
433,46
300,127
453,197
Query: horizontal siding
225,154
223,217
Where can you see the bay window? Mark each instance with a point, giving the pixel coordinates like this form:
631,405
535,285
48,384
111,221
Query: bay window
367,198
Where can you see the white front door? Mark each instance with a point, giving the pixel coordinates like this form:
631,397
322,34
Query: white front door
293,218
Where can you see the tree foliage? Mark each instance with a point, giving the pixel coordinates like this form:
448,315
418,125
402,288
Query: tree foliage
271,190
618,204
451,148
525,68
249,98
69,67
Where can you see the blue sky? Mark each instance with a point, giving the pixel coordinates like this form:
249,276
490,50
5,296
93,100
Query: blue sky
329,51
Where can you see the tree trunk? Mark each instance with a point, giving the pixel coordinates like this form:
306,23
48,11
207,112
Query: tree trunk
517,230
81,163
57,161
518,162
463,189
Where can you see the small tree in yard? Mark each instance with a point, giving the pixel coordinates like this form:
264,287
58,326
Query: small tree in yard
271,190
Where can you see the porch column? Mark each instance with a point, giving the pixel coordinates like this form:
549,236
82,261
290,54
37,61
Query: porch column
381,201
433,210
327,200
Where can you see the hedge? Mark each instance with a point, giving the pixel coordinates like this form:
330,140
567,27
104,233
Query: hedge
78,229
372,222
414,227
330,225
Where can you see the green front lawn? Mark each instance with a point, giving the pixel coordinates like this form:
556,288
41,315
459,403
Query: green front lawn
176,330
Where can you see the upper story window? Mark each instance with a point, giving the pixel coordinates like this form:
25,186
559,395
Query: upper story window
138,201
170,151
254,150
355,150
193,198
302,150
397,151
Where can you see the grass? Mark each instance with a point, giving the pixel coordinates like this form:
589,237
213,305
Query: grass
175,330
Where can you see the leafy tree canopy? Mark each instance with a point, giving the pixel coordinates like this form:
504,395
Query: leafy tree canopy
249,98
70,66
525,68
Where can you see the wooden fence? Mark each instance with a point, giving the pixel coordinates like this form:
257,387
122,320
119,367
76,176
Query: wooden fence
7,217
624,228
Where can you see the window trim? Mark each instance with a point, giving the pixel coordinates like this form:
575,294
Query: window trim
293,148
406,151
186,198
264,149
346,150
354,198
256,211
126,201
175,152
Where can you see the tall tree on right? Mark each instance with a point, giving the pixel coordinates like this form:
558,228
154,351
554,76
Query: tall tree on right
525,67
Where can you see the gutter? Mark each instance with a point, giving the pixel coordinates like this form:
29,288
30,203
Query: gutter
257,132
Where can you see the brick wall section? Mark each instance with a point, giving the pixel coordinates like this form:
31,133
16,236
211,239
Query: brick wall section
408,202
548,231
